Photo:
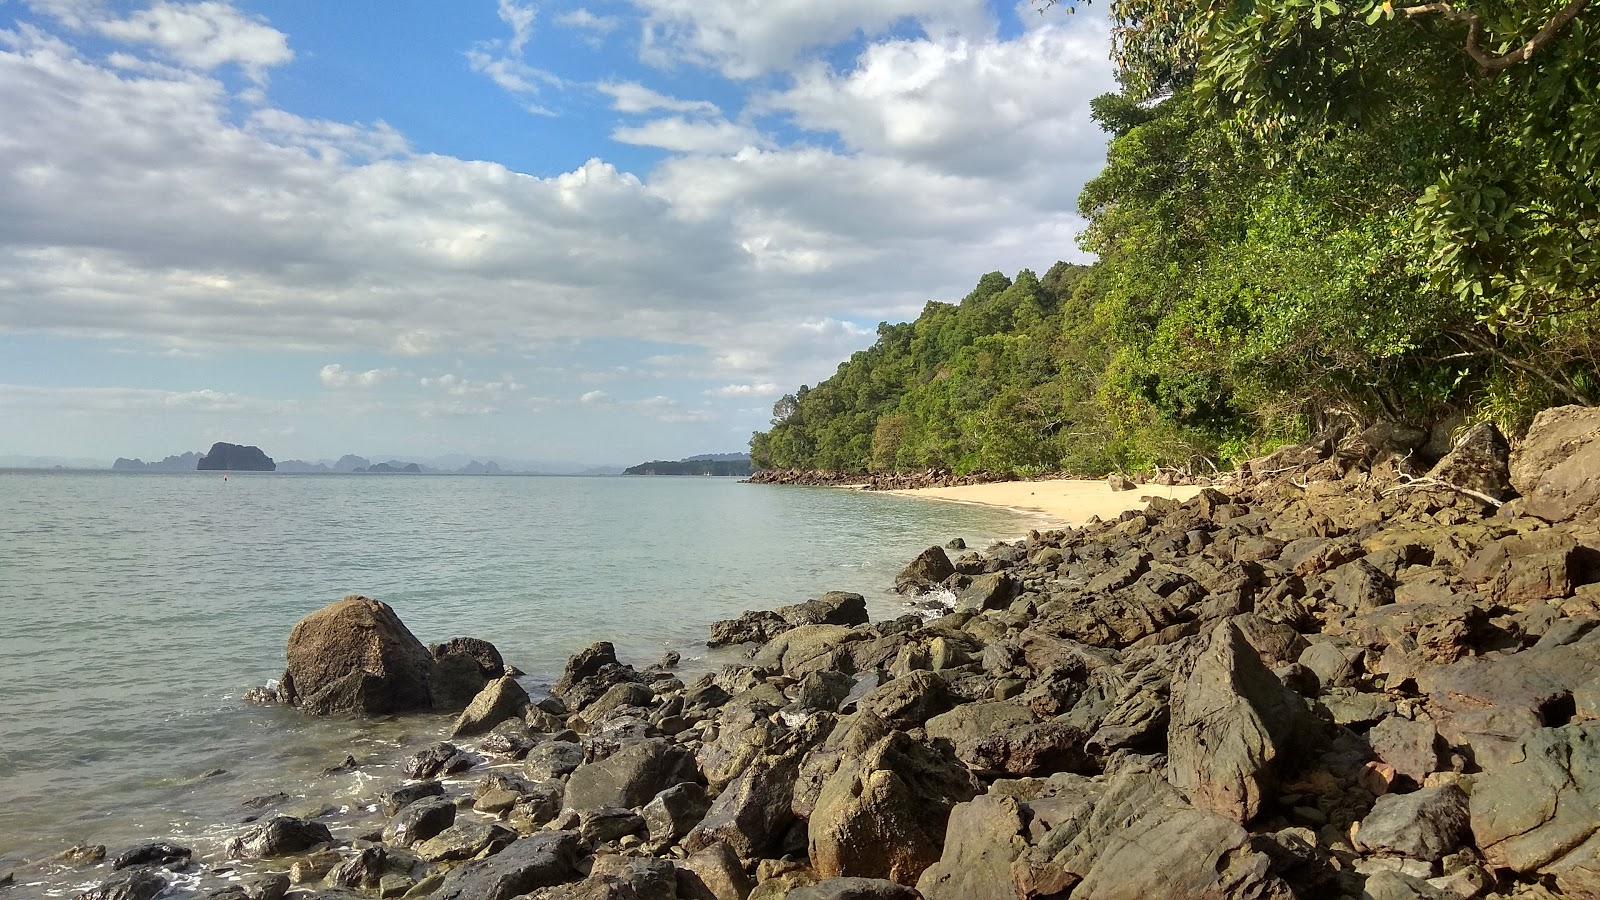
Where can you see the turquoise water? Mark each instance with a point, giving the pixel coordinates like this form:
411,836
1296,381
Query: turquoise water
135,610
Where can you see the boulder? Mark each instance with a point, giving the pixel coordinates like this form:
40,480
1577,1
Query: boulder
808,648
500,699
465,840
1041,748
714,873
753,812
983,838
356,656
600,826
419,821
970,724
589,674
552,760
854,889
910,700
927,571
261,886
363,871
753,627
1479,462
1556,467
1429,824
670,814
545,859
399,798
127,884
632,776
442,758
992,591
463,666
1410,748
883,815
154,853
1541,813
832,608
1232,720
279,836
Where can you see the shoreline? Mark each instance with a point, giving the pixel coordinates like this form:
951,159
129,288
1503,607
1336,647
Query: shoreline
1055,503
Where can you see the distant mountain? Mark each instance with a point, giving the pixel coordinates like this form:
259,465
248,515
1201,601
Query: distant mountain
225,457
478,468
301,467
186,462
392,467
50,462
724,464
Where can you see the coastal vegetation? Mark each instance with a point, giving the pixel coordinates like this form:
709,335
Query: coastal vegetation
1311,213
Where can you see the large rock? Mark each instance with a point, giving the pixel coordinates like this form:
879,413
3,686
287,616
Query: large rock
356,656
545,859
631,777
983,838
883,815
1232,720
1541,814
1479,462
970,724
465,840
753,812
927,571
714,873
500,699
280,836
590,673
128,884
464,666
1428,824
419,821
854,889
1556,467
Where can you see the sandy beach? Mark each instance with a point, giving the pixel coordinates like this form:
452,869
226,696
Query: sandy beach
1061,502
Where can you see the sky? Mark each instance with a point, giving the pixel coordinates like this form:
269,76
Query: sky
598,231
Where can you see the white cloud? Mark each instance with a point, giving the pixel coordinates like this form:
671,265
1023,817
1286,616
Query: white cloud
633,97
206,35
457,386
747,38
337,139
764,389
681,135
334,375
584,20
595,398
501,59
121,400
520,16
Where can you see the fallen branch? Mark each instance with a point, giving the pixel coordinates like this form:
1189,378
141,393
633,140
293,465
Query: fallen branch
1425,483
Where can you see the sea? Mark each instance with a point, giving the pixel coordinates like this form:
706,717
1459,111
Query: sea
136,610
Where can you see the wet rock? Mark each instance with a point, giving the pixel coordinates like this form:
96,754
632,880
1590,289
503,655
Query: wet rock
465,840
361,871
419,821
400,797
1556,467
754,626
1232,720
500,699
265,886
670,814
714,873
512,739
1428,824
154,853
616,697
543,860
883,815
437,759
1541,813
128,884
279,836
992,591
552,760
631,776
926,572
589,674
81,855
356,656
462,667
615,877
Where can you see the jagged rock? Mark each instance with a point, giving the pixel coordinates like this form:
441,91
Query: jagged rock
463,666
824,690
511,738
1137,837
362,871
1429,824
1480,461
631,776
1232,720
670,814
992,591
714,873
854,889
465,840
589,674
752,813
279,836
983,838
1358,585
909,700
1411,748
1041,748
968,725
262,886
356,656
1334,662
419,821
1541,813
616,697
437,759
616,877
1556,467
928,570
154,853
808,648
883,815
398,798
599,826
545,859
751,627
127,884
500,699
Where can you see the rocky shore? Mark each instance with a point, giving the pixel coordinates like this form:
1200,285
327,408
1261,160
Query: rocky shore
1341,677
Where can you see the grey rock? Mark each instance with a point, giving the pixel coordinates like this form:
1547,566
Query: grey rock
279,836
465,840
552,760
154,853
400,797
670,814
500,699
356,656
1429,824
419,821
631,776
929,569
714,873
441,758
546,859
127,884
1541,813
1412,748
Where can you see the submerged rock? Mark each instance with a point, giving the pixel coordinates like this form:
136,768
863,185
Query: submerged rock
129,884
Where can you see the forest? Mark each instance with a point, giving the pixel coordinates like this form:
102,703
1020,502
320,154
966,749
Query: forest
1312,212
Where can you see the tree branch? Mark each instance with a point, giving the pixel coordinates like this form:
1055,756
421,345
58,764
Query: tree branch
1488,61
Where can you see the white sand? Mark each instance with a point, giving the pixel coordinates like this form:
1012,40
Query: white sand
1063,502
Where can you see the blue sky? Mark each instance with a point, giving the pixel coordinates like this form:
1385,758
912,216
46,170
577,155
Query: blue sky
562,230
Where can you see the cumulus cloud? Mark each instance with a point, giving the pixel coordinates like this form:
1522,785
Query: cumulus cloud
633,97
334,375
764,389
584,20
682,135
205,35
745,38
